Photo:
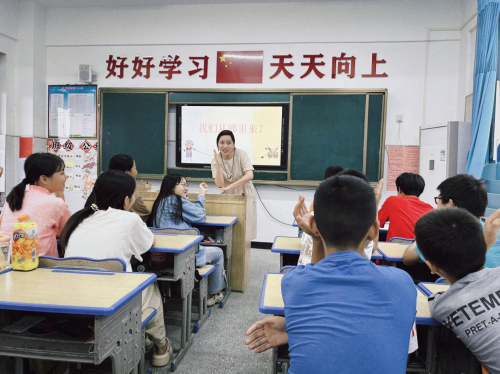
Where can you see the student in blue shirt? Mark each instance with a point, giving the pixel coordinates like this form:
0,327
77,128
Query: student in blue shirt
469,193
343,313
172,209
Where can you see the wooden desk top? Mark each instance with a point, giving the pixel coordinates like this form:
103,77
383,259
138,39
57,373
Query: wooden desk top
392,251
224,221
175,243
271,300
423,313
428,288
70,291
286,244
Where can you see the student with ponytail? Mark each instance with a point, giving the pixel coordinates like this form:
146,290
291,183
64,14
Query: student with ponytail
172,209
44,176
107,229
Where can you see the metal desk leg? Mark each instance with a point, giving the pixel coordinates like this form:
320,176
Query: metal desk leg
228,286
275,360
430,360
186,336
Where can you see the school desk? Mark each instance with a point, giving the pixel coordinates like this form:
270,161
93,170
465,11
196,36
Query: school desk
225,223
392,252
271,302
181,251
289,249
110,303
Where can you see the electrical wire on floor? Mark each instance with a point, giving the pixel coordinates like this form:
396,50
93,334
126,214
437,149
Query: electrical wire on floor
284,223
294,189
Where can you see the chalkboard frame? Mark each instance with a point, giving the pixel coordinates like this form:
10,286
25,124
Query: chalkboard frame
290,92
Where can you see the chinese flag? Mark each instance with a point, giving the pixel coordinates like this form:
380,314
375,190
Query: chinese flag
239,66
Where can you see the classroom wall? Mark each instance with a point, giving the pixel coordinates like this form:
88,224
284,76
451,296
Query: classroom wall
23,81
423,43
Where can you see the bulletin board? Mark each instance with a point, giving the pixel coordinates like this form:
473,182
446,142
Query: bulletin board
401,159
72,111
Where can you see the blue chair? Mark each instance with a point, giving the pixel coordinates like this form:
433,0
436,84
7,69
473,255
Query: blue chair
396,239
286,269
441,280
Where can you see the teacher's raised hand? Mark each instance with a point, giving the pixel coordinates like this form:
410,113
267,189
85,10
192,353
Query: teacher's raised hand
217,158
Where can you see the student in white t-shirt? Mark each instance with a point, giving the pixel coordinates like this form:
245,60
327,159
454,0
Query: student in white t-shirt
106,229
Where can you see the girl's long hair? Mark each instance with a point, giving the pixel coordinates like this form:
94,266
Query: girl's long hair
119,162
111,188
167,189
36,165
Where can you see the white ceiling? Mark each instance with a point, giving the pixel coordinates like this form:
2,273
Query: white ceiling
128,3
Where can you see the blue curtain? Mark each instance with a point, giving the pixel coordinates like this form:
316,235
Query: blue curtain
485,73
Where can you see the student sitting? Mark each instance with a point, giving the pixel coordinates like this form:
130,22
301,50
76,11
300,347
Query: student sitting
404,209
453,245
126,164
466,192
343,313
306,240
172,209
45,176
106,229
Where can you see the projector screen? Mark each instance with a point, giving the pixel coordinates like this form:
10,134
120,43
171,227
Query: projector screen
261,131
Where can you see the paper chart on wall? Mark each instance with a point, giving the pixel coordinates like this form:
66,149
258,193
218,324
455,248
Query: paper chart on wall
401,159
80,158
72,111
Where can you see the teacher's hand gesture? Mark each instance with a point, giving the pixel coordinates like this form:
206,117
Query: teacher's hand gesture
217,158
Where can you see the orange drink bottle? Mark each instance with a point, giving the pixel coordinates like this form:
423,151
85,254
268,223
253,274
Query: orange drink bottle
25,244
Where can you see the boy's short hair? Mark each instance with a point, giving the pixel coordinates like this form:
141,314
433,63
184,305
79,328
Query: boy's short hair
466,191
410,184
333,170
344,210
453,240
354,173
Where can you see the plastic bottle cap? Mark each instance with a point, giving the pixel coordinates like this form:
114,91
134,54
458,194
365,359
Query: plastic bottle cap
23,218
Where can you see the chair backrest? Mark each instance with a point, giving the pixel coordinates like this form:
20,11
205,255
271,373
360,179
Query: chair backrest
441,280
167,230
107,264
401,240
287,268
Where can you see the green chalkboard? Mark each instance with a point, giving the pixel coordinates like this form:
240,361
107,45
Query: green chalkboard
329,129
134,124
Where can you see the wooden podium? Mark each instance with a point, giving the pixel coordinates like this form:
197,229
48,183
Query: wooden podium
228,205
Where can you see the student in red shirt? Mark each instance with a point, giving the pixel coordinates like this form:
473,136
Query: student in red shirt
403,210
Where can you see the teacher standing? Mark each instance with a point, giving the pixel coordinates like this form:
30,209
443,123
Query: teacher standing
232,171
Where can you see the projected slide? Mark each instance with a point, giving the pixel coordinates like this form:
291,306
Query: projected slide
257,131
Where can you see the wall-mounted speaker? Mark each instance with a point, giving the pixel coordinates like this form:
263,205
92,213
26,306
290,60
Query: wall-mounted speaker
85,73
